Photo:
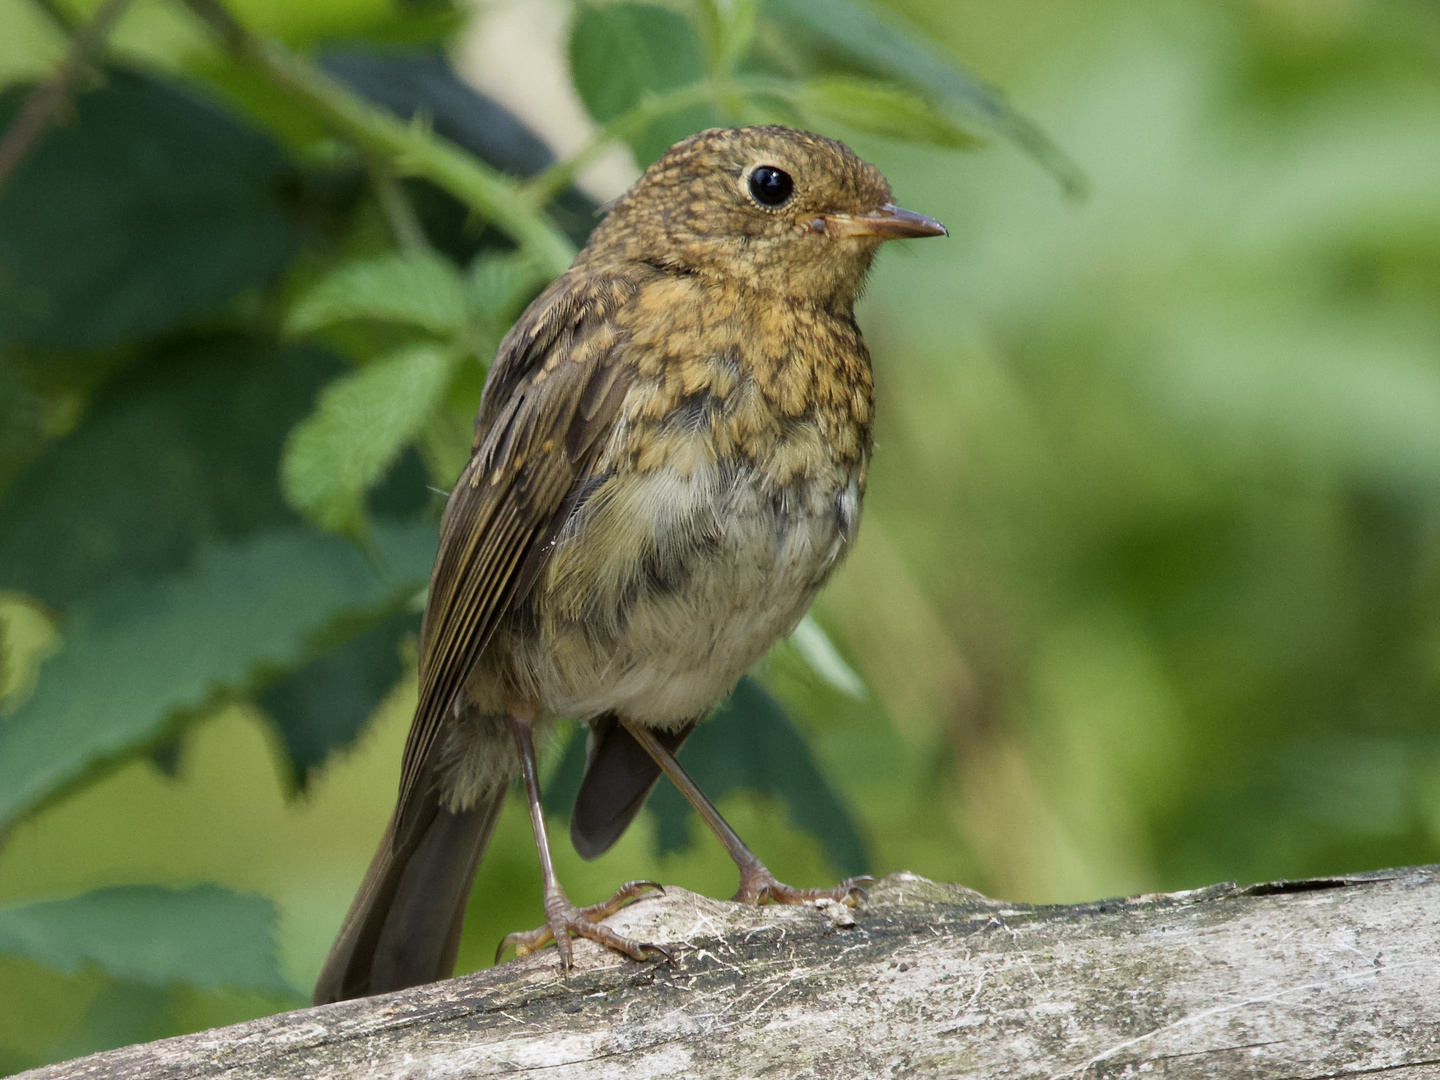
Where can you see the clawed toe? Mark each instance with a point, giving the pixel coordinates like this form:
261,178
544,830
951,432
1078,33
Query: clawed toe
631,890
565,921
759,886
854,890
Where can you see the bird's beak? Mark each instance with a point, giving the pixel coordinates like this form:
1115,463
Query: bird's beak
890,222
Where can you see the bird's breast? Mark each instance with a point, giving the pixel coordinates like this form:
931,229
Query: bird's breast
720,375
672,582
704,536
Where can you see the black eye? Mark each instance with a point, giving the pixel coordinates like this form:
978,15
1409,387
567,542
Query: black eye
771,186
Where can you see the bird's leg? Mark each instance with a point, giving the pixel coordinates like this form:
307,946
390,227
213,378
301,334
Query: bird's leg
757,884
563,918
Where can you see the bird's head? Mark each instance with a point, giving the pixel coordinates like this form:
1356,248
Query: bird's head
778,209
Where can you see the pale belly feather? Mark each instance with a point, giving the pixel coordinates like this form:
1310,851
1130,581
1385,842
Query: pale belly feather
732,563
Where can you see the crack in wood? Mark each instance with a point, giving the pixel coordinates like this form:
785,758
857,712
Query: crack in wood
934,980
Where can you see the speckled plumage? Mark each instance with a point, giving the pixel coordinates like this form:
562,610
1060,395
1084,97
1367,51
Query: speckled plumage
723,495
669,461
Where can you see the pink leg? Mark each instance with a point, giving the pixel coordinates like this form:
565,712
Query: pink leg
757,884
562,917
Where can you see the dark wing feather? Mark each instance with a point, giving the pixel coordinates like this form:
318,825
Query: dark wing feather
619,776
550,400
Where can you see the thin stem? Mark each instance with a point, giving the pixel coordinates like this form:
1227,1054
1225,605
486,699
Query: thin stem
541,189
411,148
395,205
46,99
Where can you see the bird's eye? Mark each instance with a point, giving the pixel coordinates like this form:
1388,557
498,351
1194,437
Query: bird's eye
770,186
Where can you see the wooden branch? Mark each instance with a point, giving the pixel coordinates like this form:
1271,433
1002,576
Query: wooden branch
1328,978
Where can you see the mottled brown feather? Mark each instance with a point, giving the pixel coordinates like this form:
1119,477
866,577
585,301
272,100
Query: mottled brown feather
532,448
670,456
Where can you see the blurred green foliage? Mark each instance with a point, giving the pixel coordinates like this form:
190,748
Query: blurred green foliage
1148,590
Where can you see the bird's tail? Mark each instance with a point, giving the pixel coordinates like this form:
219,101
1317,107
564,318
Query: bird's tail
404,926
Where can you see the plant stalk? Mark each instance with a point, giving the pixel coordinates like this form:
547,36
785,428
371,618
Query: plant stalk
541,189
45,100
411,148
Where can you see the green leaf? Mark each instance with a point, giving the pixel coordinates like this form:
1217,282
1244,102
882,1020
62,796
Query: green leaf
812,643
150,209
414,289
888,45
143,652
120,1014
180,450
323,706
22,423
729,30
622,53
878,109
27,638
749,744
500,285
206,936
360,425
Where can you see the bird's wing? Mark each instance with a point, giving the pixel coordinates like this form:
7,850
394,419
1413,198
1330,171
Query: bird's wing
550,399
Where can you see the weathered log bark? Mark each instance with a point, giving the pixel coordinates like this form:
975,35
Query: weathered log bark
1328,978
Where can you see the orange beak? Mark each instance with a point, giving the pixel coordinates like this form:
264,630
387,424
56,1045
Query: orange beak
889,222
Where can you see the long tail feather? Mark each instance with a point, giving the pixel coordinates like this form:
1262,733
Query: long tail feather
404,926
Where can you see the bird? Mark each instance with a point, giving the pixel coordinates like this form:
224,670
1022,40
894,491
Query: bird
669,460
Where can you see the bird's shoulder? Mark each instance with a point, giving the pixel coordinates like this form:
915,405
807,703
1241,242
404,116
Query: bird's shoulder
685,359
568,330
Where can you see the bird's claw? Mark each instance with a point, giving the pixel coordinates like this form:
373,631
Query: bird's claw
759,886
564,920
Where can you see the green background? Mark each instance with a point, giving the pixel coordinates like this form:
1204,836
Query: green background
1146,596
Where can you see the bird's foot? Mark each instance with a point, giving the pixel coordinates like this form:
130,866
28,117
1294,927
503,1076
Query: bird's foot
564,919
759,886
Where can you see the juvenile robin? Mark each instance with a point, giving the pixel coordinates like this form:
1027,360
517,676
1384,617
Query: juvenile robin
669,460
